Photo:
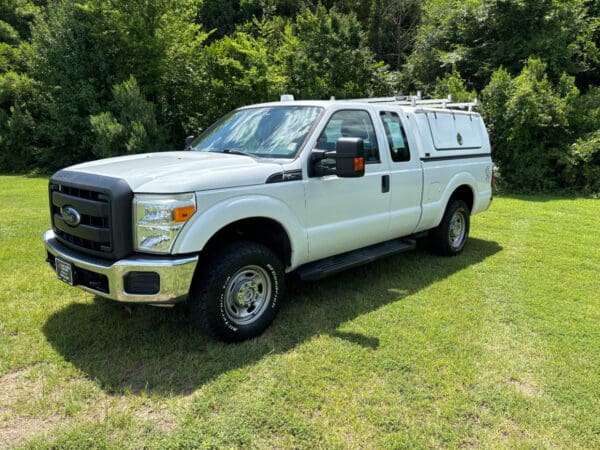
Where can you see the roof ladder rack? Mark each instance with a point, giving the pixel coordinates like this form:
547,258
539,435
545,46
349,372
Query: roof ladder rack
417,100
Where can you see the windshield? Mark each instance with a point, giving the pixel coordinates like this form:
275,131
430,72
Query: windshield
273,131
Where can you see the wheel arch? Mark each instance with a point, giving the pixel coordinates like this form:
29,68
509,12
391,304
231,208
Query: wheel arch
259,218
465,193
263,230
460,187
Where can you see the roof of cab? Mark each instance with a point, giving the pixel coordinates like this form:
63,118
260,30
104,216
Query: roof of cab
325,104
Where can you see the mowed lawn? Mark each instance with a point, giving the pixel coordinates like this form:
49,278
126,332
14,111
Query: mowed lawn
499,347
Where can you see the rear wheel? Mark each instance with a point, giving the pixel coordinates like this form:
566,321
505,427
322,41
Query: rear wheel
450,237
237,295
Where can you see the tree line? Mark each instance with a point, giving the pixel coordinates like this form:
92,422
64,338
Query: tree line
88,79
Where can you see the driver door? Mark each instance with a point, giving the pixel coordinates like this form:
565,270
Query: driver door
344,214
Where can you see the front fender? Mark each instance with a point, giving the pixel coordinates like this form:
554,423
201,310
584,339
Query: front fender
204,225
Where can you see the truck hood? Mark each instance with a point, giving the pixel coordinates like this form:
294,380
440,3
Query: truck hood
173,172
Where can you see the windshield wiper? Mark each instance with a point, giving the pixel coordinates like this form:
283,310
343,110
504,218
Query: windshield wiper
236,152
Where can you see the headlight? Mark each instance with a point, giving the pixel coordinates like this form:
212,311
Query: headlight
159,218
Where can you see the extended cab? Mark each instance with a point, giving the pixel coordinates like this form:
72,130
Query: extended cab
310,187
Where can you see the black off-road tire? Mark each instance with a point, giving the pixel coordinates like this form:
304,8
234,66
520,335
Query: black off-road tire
450,236
237,292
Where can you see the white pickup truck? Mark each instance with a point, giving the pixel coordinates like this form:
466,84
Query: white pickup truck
309,187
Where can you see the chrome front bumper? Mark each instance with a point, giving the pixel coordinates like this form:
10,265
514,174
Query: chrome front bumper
175,273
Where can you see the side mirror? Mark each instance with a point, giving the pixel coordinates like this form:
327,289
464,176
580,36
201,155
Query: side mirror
188,142
350,157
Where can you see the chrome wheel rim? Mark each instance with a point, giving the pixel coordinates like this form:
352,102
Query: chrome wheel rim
247,294
458,229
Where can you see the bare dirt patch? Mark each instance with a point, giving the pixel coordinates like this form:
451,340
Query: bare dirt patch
160,417
29,407
16,386
526,387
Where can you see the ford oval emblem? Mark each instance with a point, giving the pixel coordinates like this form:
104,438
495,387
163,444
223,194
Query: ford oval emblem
71,216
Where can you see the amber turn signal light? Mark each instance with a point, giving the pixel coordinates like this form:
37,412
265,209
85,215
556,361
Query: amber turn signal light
359,163
183,213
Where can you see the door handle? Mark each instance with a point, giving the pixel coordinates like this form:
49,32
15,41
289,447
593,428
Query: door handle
385,183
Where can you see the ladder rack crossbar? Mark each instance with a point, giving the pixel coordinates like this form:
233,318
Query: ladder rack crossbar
469,106
445,103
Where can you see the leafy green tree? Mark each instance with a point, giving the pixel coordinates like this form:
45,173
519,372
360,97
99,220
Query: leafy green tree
529,119
393,26
240,71
479,36
583,155
358,8
341,64
18,95
494,99
582,171
19,14
91,78
16,18
18,91
86,48
129,126
221,17
453,84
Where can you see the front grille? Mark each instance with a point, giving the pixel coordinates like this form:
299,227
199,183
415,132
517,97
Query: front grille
82,193
103,206
102,246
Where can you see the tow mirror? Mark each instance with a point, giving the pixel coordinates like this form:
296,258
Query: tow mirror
348,156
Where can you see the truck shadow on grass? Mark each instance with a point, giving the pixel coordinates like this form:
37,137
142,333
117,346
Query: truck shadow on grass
157,350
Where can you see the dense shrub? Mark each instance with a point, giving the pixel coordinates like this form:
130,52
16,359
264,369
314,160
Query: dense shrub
582,169
129,126
529,120
19,96
84,51
479,36
453,84
325,53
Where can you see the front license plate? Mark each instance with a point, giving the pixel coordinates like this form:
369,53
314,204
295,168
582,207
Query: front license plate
64,270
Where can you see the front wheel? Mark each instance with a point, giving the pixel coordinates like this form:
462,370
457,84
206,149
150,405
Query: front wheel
450,236
237,295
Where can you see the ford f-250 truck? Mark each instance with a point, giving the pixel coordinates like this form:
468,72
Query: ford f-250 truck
310,187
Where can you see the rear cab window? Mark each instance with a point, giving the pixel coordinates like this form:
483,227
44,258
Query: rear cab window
396,136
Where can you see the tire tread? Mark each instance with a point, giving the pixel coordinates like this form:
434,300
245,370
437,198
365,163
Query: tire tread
438,237
207,285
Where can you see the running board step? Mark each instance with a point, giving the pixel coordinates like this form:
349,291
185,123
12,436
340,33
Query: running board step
334,264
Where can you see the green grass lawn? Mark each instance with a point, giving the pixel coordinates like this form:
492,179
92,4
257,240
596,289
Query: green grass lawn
499,347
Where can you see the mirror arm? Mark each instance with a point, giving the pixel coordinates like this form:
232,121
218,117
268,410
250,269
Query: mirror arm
319,155
315,169
188,142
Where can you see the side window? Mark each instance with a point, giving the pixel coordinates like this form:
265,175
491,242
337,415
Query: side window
350,123
396,137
